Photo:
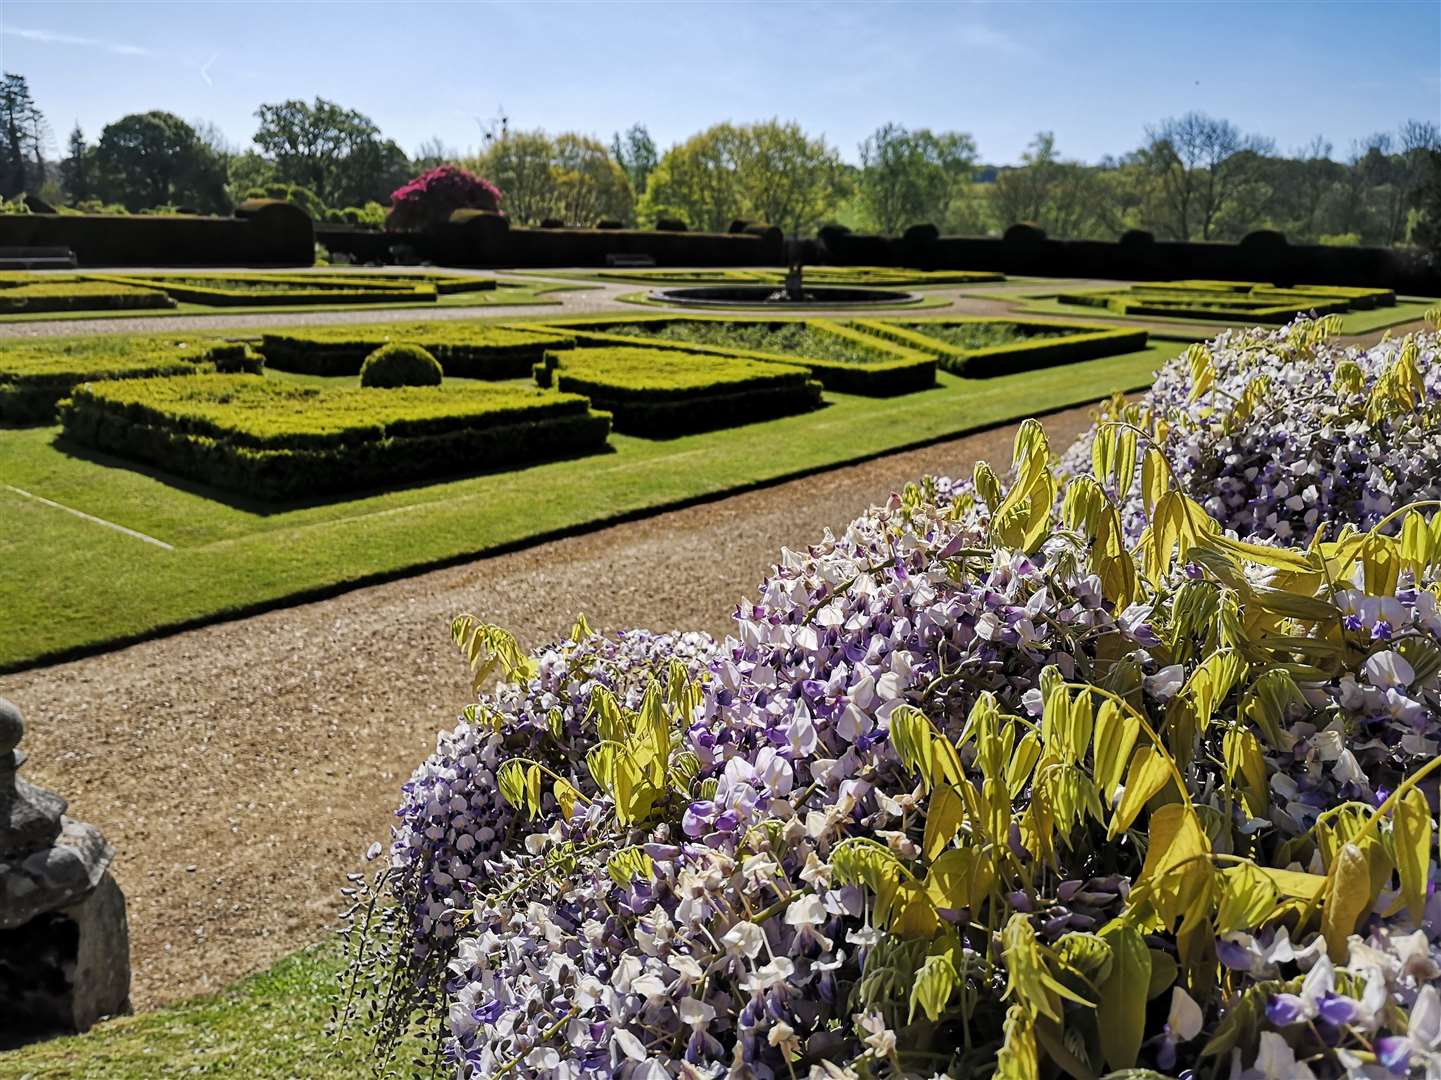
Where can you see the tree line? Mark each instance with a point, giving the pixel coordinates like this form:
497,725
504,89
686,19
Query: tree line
1193,177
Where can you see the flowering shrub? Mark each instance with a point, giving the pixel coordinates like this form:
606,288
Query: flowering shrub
433,196
1283,433
976,785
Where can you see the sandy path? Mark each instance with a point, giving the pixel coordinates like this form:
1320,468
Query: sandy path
239,769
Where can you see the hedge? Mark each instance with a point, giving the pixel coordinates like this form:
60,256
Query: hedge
667,392
1229,301
300,291
1085,343
79,296
465,350
275,440
35,375
898,369
829,275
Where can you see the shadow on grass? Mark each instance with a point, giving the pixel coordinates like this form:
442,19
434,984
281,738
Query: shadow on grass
274,507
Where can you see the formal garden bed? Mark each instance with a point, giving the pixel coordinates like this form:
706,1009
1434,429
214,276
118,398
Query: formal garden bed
981,347
652,392
1125,762
878,276
465,350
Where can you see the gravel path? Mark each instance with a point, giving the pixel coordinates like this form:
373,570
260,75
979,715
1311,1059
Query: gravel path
240,769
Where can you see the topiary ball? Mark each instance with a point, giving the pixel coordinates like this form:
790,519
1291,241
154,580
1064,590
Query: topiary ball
400,365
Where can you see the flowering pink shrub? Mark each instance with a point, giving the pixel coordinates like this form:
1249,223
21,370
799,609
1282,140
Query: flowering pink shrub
432,197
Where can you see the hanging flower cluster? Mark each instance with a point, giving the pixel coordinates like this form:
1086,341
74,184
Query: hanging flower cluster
981,783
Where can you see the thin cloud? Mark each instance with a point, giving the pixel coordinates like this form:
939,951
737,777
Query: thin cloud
51,37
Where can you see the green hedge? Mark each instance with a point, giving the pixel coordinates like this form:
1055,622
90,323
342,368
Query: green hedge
1048,349
78,296
828,275
277,440
36,374
668,392
896,369
465,350
293,291
1229,301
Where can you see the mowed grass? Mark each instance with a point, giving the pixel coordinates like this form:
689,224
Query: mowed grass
69,584
271,1026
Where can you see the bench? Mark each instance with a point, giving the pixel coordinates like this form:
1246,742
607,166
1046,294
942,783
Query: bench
36,258
629,261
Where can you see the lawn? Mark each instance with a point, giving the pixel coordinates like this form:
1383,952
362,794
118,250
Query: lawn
71,581
271,1026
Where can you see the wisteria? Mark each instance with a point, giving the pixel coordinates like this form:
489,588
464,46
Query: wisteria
980,785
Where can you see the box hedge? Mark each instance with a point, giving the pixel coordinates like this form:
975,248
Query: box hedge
1052,344
465,350
279,292
668,392
275,440
896,368
36,374
79,295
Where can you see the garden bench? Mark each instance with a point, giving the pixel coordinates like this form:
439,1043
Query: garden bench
36,258
629,261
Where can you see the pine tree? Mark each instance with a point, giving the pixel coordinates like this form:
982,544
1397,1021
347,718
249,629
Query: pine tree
75,170
22,137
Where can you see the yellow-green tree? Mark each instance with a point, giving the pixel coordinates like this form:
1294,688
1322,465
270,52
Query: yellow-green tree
769,172
568,177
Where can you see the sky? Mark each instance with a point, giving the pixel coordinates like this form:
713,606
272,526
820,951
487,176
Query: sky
1095,73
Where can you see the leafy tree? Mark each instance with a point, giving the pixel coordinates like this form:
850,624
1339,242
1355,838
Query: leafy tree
768,172
338,153
1060,197
433,196
153,159
570,177
1428,225
1200,163
23,134
908,177
634,151
77,171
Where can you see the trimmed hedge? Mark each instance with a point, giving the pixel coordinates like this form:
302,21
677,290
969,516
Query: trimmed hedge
897,369
277,440
828,275
1048,349
396,365
79,296
465,350
292,291
667,392
36,375
1229,301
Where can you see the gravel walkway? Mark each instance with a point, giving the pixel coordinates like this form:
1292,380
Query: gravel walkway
240,769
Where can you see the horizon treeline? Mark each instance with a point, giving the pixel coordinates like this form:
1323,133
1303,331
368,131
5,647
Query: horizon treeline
1192,177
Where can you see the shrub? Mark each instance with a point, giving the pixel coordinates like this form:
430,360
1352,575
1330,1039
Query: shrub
35,375
465,350
668,392
433,196
281,440
78,296
961,345
398,364
263,290
971,788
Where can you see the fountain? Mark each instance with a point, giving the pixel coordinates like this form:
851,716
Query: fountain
794,294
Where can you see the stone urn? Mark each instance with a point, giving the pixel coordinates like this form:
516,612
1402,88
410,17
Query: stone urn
64,942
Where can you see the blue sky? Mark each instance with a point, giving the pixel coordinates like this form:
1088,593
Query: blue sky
1094,73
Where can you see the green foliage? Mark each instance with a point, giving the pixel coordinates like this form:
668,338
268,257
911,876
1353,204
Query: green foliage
897,277
398,364
1230,301
768,172
154,159
465,350
337,153
282,440
910,177
567,177
239,290
964,345
664,391
887,368
78,295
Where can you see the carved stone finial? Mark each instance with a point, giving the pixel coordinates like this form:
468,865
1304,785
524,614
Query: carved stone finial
29,816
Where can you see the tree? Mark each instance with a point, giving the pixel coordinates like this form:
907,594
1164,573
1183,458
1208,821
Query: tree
635,153
23,134
433,196
909,177
337,153
152,159
77,171
1428,225
569,178
1200,163
1061,197
769,172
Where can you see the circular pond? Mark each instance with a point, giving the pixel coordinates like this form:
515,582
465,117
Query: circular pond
811,296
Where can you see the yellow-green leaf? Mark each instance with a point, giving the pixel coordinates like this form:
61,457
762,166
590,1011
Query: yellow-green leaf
1411,835
1149,773
1121,1012
1348,897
